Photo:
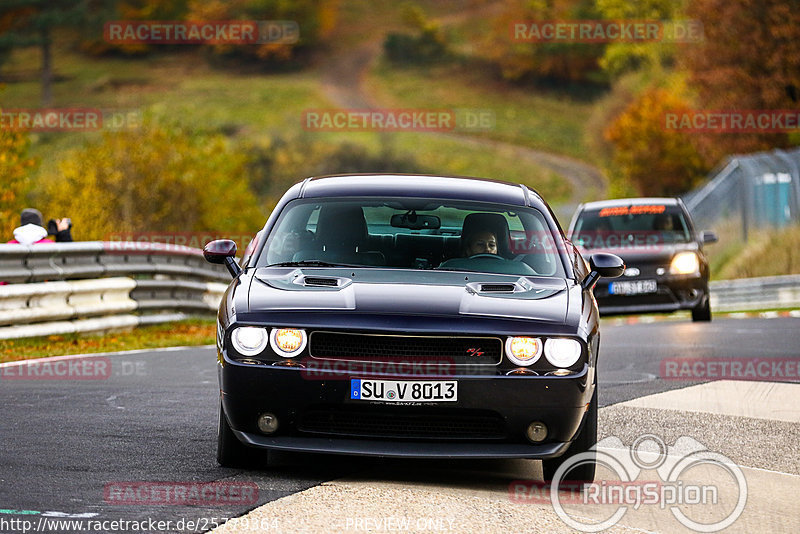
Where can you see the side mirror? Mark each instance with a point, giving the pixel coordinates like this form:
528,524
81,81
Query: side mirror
602,264
708,237
223,252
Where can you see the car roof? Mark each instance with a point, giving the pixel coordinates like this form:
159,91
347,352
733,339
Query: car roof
422,186
639,201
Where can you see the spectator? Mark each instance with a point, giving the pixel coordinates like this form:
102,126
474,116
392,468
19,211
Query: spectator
31,231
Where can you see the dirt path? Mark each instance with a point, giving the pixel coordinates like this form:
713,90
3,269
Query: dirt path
343,83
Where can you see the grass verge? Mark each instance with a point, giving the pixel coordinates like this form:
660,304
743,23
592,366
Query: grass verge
182,333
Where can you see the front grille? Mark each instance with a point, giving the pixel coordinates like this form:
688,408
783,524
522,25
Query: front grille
392,425
456,350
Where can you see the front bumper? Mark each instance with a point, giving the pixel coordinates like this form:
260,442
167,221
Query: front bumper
388,449
673,293
512,402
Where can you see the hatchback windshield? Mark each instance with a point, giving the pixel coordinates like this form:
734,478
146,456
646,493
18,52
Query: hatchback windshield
413,234
637,225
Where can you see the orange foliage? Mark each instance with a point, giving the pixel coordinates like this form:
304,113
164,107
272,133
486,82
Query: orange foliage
749,59
657,161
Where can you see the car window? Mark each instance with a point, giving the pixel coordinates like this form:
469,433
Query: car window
416,234
642,225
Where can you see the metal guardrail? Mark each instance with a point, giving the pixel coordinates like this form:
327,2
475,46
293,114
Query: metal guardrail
755,293
96,286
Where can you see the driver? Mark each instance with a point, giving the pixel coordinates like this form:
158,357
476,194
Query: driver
481,242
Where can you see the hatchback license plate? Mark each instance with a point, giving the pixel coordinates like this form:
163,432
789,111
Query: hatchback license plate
404,390
634,287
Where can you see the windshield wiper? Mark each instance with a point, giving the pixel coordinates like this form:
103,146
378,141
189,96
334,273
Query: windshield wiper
310,263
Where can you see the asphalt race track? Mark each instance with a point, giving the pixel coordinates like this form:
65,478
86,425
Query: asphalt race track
65,444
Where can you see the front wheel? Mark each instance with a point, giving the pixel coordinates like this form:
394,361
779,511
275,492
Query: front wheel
702,312
587,438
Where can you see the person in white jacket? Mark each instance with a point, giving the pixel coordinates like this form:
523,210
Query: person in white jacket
31,231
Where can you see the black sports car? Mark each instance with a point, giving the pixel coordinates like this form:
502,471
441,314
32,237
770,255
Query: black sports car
406,315
666,269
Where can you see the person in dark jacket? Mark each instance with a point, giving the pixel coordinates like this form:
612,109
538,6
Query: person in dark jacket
31,231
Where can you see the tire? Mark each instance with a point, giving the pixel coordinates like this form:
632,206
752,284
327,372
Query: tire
586,439
702,312
230,451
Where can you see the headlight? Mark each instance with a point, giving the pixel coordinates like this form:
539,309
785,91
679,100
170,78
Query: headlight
685,263
249,340
287,342
562,352
523,350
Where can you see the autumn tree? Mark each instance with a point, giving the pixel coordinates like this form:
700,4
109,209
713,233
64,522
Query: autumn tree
565,61
315,19
750,59
33,23
133,10
657,161
620,57
154,179
15,165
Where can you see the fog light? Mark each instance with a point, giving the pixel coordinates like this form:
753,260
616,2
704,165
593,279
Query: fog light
267,423
537,432
288,363
559,372
522,371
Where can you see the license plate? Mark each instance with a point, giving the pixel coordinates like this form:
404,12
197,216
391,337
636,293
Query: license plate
404,390
633,287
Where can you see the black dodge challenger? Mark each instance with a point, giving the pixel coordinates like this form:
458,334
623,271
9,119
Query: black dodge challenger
413,316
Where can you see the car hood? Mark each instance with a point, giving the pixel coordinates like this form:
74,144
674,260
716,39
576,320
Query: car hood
397,291
660,253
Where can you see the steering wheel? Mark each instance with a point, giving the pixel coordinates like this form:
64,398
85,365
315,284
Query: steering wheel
486,255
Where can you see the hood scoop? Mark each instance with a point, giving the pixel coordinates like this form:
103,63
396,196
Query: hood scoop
497,288
319,281
522,288
297,280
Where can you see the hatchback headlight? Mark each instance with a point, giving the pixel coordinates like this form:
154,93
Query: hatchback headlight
685,263
562,352
249,340
523,350
288,342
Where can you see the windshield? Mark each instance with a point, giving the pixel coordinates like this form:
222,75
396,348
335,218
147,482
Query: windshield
418,234
637,225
